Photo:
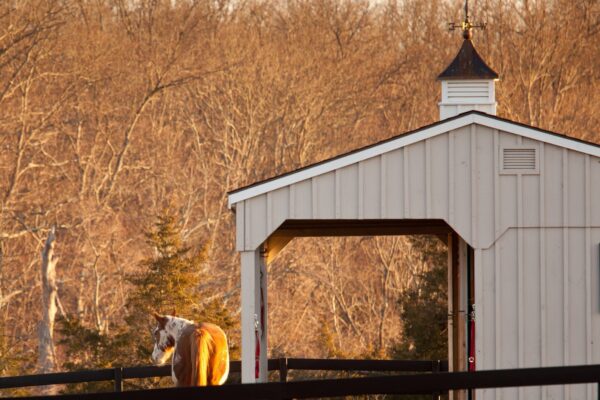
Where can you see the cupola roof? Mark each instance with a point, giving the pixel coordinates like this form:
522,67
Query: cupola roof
468,64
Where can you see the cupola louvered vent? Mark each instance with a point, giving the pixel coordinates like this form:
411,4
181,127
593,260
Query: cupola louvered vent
517,160
473,90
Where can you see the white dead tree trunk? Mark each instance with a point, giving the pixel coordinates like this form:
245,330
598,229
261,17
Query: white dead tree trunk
46,359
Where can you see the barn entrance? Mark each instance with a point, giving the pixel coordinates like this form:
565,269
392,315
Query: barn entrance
460,261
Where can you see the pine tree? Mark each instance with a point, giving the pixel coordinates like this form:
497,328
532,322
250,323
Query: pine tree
166,281
424,307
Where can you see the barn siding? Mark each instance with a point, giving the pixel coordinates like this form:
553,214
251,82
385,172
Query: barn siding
536,237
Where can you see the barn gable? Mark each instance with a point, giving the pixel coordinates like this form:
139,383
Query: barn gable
463,170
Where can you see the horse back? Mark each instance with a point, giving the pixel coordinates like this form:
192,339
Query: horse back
202,356
213,357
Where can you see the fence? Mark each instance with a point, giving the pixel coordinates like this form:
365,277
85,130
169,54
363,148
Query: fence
283,365
404,384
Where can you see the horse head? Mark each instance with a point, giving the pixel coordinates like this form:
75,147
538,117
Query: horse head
164,342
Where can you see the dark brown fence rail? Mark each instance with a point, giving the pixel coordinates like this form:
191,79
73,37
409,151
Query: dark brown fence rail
403,384
283,365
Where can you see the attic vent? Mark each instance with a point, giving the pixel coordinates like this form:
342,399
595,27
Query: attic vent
519,160
472,90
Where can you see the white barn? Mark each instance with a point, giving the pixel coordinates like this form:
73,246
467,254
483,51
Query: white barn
519,206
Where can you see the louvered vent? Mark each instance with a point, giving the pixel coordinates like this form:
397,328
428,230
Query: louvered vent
519,159
472,90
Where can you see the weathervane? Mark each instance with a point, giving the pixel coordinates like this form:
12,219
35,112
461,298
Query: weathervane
466,25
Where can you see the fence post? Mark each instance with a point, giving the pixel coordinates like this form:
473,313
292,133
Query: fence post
283,370
435,368
118,379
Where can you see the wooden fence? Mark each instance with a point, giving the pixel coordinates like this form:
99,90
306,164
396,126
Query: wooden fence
282,365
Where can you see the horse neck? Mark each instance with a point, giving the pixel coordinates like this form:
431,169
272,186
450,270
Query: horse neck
176,325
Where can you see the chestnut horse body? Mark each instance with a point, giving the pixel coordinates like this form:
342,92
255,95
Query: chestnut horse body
200,354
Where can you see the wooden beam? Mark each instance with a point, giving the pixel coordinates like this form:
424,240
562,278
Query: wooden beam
321,228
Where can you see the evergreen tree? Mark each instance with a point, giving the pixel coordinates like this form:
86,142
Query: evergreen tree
166,281
424,307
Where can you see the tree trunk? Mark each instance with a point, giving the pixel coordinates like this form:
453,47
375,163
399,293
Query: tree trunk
46,360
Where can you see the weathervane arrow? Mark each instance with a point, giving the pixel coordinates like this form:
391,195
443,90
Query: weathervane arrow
466,26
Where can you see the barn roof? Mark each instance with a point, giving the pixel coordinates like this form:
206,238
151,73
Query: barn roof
399,141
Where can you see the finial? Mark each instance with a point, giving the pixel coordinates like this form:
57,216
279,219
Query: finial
466,26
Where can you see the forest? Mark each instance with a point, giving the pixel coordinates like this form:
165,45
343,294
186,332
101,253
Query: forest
124,123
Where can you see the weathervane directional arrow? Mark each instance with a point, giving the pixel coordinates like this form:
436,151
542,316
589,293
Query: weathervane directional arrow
466,26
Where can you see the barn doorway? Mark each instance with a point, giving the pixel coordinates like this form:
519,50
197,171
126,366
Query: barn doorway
461,269
362,297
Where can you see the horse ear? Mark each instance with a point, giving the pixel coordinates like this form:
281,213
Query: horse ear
159,318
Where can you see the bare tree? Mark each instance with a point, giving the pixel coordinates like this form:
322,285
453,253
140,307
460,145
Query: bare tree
47,354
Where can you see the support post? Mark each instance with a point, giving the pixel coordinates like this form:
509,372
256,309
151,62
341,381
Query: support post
457,308
254,316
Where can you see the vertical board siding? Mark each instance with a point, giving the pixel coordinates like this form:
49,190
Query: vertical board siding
531,345
439,176
554,297
507,330
256,210
595,190
553,185
474,183
531,348
349,192
565,253
394,182
595,295
416,180
427,178
588,282
361,189
240,225
576,193
462,183
576,291
382,186
280,206
531,201
485,311
509,309
325,196
371,188
508,187
303,200
484,187
536,238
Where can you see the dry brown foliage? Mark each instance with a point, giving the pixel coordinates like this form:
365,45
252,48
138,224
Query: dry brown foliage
111,110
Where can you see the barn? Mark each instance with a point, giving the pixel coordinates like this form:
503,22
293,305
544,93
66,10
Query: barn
518,206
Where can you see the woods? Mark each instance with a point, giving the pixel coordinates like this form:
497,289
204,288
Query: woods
112,111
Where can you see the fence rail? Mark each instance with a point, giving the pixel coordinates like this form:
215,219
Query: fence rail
401,384
283,365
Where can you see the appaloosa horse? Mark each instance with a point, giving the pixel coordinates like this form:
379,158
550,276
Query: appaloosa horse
200,352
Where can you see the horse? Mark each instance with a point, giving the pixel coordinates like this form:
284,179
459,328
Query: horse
200,355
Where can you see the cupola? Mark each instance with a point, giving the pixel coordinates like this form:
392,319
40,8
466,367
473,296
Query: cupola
468,82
